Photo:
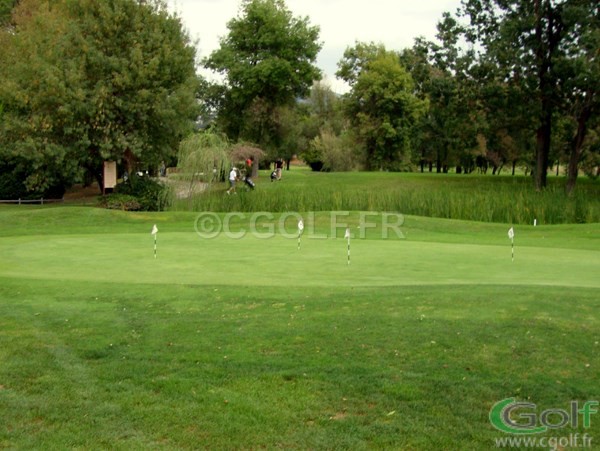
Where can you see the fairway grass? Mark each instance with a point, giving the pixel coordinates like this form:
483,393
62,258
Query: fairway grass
250,343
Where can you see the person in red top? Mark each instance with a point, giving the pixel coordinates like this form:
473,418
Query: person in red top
248,175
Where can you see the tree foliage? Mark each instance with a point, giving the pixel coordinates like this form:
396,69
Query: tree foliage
381,105
205,156
267,59
87,81
535,46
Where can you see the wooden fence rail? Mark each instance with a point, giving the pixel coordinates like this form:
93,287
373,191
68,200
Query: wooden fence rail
40,201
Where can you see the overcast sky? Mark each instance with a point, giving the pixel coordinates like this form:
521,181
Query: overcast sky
395,23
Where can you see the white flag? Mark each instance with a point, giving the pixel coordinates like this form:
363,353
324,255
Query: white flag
511,233
300,226
154,230
347,234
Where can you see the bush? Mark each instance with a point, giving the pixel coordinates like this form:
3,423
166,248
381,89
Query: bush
123,202
150,194
12,185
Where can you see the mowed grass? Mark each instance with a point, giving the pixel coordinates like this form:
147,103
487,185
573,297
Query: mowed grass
242,341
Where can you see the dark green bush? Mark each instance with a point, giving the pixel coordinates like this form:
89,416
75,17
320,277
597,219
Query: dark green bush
149,193
123,202
12,185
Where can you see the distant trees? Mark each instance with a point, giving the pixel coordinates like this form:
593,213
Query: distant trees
381,106
547,52
327,144
268,61
505,83
83,82
510,81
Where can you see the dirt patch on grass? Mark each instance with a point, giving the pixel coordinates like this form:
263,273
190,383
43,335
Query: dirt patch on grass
83,194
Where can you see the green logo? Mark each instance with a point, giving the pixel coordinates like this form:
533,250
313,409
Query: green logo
514,417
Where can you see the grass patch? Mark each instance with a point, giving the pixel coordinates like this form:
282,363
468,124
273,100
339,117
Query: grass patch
235,367
502,199
249,343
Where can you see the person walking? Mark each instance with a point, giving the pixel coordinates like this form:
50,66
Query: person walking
278,168
248,173
233,176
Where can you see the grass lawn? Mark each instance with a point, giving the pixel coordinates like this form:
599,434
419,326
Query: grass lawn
248,342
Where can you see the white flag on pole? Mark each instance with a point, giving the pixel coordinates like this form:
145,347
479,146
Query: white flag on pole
347,236
154,230
300,229
511,233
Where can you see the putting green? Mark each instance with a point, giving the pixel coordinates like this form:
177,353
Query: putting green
185,258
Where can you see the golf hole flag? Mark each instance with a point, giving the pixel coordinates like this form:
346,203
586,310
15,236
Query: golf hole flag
511,236
154,232
300,230
347,236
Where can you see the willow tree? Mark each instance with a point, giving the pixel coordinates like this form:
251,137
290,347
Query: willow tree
203,157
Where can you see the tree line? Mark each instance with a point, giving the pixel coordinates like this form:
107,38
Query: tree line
505,84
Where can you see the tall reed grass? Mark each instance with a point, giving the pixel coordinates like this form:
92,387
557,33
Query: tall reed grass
502,199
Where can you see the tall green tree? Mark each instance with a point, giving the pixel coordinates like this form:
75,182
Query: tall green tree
87,81
446,134
323,115
267,60
531,43
581,82
381,105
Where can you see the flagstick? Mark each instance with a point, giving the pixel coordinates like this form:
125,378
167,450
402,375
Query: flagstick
348,251
348,236
300,230
511,235
512,249
155,233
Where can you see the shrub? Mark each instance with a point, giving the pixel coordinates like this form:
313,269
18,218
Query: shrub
149,193
12,185
123,202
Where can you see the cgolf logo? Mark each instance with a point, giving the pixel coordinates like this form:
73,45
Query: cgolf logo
264,225
514,417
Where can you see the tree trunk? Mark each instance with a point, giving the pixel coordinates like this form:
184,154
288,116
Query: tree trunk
547,41
542,152
576,145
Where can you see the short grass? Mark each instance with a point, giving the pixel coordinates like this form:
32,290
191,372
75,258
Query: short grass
250,343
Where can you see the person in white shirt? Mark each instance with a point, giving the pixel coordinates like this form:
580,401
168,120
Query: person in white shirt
233,176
